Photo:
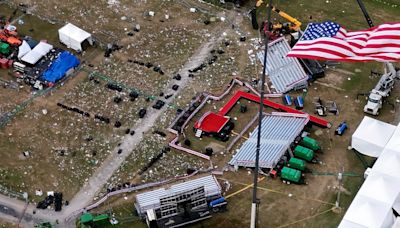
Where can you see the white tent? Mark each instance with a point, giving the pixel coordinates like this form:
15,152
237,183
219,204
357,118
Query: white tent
372,136
23,49
366,212
380,193
73,36
394,143
388,163
37,53
381,187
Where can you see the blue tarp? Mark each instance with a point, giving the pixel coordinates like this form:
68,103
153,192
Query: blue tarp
60,66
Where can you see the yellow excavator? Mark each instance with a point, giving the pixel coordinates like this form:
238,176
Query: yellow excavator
293,25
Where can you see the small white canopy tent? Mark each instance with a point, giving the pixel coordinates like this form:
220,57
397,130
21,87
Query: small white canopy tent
366,212
73,36
37,53
371,136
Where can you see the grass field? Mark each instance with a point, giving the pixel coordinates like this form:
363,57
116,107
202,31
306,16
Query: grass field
66,147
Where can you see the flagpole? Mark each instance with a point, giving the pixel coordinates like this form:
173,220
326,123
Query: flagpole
254,205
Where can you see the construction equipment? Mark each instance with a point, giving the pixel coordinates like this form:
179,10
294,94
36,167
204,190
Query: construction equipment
9,32
381,90
293,25
385,84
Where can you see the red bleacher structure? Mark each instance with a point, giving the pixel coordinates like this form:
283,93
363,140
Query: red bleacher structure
214,122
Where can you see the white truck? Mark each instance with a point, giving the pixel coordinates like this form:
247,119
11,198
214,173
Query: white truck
381,90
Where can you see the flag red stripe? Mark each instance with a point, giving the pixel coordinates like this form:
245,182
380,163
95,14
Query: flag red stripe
348,47
374,44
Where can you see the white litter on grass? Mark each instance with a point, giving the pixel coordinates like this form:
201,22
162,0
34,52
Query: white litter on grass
346,96
39,192
125,198
222,19
151,13
193,10
348,79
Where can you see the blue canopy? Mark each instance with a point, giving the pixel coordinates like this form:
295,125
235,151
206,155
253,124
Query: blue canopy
60,66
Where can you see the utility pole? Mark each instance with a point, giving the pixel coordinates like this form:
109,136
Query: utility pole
254,205
340,178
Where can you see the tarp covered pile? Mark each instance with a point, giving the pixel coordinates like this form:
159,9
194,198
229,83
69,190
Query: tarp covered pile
60,66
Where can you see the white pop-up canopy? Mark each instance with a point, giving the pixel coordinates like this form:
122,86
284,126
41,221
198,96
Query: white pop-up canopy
372,136
73,36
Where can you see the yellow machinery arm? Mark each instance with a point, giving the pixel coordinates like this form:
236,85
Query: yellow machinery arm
295,24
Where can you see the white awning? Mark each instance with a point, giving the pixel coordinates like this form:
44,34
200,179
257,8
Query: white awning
372,136
37,53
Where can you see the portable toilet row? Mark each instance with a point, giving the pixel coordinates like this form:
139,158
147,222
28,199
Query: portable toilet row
298,101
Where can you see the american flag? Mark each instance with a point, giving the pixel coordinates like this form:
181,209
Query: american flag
330,41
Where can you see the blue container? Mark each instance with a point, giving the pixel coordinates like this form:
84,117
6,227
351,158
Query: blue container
217,201
287,100
299,102
341,129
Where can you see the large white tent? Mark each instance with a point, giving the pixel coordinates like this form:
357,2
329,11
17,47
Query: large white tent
383,187
367,212
73,36
23,49
380,193
37,53
372,136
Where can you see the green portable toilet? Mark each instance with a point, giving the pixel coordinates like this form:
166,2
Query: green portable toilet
310,143
86,218
298,164
303,153
290,174
4,48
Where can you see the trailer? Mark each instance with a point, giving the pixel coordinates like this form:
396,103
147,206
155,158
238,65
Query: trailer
310,143
304,153
289,175
296,163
